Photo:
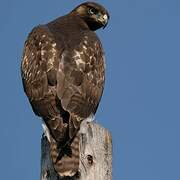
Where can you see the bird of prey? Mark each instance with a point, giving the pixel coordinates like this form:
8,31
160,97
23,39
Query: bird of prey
63,73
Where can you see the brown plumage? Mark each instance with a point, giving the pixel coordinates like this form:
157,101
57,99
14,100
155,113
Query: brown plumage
63,78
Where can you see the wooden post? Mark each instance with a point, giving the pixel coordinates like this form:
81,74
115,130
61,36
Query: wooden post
95,155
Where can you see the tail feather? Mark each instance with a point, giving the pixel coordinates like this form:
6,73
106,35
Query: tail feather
64,144
67,164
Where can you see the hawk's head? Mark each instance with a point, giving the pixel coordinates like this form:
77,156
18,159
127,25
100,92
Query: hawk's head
95,15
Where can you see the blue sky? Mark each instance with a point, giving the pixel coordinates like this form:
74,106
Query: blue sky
141,102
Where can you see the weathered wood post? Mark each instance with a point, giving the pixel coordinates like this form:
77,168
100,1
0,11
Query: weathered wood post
95,155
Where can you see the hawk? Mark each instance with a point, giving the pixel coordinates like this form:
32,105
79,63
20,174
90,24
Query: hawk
63,73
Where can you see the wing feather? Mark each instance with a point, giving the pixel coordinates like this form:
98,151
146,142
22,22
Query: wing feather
75,75
80,79
40,62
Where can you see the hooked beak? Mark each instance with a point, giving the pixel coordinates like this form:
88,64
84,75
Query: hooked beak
104,20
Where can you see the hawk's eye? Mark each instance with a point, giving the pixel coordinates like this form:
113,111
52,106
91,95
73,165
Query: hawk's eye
93,11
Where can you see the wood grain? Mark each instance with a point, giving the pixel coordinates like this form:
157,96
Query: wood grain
95,155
